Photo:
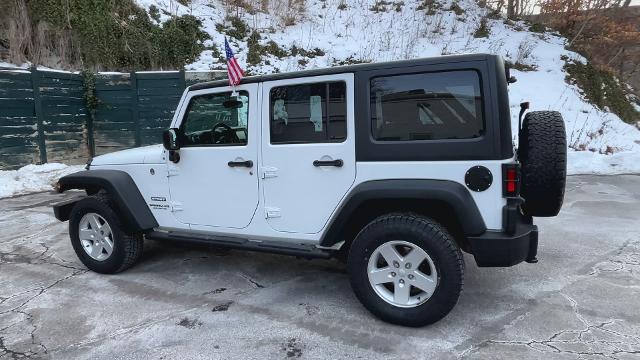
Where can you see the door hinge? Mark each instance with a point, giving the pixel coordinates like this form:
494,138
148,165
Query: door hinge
172,171
271,212
176,206
269,172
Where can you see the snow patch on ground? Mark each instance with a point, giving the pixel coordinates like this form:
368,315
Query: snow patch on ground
33,178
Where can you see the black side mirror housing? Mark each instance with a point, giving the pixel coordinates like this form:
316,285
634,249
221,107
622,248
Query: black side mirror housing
170,139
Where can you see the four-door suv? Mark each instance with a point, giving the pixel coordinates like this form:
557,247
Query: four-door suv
395,168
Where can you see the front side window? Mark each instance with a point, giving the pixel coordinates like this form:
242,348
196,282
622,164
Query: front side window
427,106
308,113
216,119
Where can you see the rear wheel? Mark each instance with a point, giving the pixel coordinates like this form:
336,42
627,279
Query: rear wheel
98,238
406,269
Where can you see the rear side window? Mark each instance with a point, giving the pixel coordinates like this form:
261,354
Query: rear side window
308,113
427,106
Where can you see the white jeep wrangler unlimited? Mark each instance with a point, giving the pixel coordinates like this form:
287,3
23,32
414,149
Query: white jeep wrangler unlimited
394,167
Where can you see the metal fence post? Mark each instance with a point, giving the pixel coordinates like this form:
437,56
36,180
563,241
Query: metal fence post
37,103
183,80
91,143
133,78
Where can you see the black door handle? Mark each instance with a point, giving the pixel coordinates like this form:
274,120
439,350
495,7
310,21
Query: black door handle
336,163
247,163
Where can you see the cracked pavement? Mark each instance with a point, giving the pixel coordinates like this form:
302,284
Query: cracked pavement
581,301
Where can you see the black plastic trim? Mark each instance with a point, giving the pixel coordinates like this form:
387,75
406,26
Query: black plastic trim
129,203
62,209
494,144
346,69
450,192
241,244
517,243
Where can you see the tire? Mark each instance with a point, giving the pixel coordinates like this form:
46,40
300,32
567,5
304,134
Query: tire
126,248
401,231
543,155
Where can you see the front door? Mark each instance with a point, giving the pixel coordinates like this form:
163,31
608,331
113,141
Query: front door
215,181
308,150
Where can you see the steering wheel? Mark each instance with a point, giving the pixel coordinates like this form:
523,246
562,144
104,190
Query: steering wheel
223,133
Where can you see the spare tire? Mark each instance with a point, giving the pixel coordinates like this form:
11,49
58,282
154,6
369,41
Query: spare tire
542,152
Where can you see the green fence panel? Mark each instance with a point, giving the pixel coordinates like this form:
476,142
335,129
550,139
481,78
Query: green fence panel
43,115
113,126
64,116
18,124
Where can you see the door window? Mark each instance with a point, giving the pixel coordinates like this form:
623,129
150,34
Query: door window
308,113
427,106
216,119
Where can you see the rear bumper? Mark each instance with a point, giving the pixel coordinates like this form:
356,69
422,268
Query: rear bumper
518,243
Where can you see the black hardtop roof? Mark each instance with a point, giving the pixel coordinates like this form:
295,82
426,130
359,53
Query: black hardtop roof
348,69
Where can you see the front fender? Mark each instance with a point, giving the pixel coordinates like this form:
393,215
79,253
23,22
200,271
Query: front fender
128,201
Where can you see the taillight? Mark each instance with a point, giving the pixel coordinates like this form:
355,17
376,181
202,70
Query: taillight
510,180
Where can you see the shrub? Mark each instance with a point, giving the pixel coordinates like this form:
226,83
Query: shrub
380,6
482,30
537,27
255,51
455,7
431,6
119,35
238,29
154,13
600,87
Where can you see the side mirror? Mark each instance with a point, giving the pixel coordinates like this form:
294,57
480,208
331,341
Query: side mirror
170,139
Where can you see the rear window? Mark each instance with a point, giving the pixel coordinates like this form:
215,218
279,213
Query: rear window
427,106
308,113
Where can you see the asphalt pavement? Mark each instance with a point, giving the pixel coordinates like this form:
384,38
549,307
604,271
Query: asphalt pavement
581,301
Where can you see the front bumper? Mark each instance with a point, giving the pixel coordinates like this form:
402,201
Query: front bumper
518,243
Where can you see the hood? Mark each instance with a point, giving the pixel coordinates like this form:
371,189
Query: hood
153,154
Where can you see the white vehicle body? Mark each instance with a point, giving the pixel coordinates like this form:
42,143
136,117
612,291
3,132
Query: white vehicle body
394,168
283,197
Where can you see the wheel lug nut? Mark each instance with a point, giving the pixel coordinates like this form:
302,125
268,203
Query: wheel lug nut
401,281
396,264
410,276
393,274
407,265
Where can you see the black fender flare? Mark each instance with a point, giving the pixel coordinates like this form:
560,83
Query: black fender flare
123,191
450,192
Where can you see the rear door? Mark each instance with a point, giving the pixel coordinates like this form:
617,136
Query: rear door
308,150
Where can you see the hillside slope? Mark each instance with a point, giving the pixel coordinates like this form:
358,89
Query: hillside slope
347,31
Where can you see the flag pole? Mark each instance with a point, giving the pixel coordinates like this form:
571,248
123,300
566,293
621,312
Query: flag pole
234,93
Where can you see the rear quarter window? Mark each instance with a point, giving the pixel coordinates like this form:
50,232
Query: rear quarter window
427,106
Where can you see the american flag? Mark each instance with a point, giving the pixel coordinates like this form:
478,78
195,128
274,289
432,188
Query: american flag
233,68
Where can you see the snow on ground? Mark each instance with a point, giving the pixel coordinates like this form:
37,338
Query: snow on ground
33,178
402,32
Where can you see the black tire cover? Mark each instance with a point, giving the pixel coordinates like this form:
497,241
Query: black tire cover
542,152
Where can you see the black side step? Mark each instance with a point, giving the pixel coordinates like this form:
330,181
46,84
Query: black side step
305,251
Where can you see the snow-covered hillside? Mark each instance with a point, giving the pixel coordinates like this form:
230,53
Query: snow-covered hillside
370,30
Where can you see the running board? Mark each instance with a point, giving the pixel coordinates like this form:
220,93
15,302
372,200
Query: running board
299,250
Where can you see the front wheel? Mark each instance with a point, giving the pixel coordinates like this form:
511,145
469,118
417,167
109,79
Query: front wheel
406,269
98,238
